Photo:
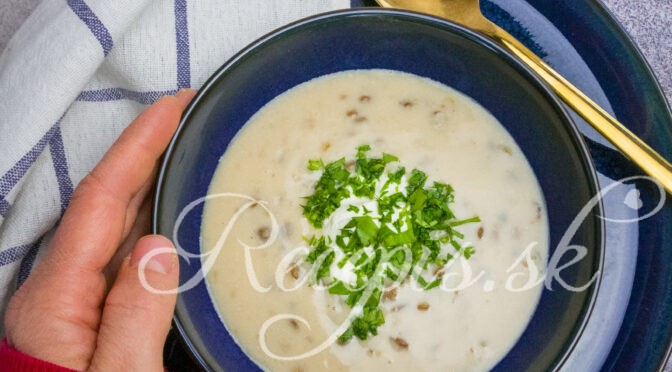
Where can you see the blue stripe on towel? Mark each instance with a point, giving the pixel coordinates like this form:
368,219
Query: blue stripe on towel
4,207
116,94
57,150
12,177
182,40
11,255
94,24
27,263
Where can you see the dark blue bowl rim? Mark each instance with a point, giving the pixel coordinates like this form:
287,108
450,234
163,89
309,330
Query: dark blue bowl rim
445,24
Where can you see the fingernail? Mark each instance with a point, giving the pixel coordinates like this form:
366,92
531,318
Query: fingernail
184,96
161,253
183,92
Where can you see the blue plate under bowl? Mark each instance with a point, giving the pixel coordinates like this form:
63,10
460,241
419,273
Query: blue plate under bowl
412,43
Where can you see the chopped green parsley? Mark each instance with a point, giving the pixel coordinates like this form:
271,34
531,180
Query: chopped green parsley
378,223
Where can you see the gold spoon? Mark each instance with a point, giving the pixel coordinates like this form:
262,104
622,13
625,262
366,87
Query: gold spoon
468,13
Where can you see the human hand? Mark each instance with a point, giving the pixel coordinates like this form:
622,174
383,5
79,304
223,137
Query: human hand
72,311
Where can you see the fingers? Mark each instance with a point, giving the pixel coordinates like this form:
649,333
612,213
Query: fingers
130,161
135,320
56,313
105,203
184,96
140,228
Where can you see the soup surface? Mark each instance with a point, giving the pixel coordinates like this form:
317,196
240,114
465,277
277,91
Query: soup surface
284,323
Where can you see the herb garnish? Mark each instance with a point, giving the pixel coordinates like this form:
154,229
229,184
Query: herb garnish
397,226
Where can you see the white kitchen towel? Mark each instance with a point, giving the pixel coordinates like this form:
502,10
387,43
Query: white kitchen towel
78,71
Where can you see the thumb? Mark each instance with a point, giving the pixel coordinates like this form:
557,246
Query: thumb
136,319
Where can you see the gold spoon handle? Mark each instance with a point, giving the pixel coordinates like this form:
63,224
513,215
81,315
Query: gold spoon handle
632,146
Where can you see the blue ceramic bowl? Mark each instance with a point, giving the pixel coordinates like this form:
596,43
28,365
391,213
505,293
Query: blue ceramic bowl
408,42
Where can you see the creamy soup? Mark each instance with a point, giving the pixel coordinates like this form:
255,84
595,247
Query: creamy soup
426,125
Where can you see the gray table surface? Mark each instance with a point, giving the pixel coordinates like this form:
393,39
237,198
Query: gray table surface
649,23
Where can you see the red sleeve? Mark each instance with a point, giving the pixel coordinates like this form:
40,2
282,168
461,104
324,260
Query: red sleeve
14,360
